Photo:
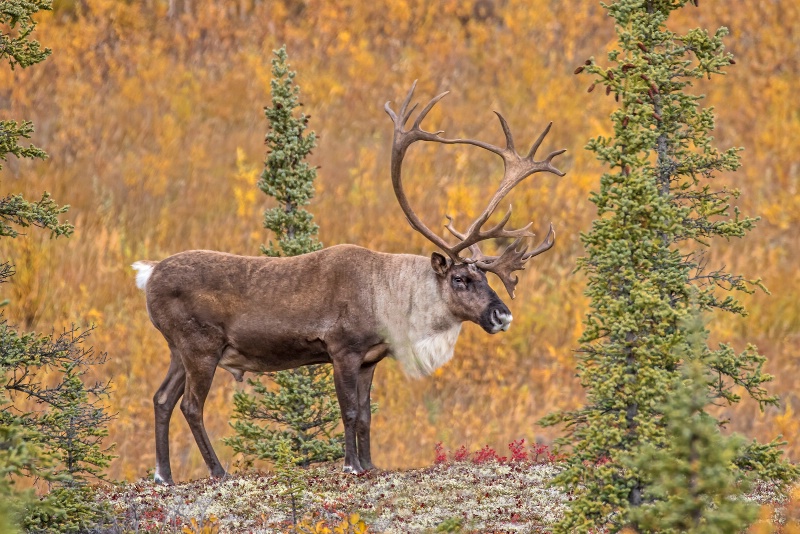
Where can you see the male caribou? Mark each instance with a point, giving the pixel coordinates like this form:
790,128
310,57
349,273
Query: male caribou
343,305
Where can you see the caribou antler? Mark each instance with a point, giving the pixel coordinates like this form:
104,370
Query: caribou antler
510,260
516,169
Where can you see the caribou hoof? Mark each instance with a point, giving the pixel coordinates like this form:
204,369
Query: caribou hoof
219,474
352,470
158,479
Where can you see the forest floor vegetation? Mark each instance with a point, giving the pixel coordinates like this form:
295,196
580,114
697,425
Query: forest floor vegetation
457,497
461,492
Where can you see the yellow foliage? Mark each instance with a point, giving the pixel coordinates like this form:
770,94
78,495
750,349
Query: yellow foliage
787,422
204,526
244,185
352,524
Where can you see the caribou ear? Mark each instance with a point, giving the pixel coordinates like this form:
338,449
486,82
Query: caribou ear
440,264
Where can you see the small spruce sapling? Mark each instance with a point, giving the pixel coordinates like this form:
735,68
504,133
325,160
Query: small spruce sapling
289,477
302,411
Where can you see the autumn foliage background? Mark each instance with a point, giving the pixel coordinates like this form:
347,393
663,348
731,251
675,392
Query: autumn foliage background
151,113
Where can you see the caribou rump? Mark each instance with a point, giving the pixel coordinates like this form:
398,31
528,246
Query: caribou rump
344,305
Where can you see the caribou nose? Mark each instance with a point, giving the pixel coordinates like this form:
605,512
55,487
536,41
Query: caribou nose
501,319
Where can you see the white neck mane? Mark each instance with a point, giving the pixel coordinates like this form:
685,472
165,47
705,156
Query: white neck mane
420,330
429,353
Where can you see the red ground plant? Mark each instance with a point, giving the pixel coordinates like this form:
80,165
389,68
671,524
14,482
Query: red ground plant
538,454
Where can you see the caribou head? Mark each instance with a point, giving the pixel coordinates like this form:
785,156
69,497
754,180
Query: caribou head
466,291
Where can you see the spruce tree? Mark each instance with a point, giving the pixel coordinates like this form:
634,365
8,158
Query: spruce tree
693,484
58,441
67,426
302,412
18,48
287,176
658,212
71,422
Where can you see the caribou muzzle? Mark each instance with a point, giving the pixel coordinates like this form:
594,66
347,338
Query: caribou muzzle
496,318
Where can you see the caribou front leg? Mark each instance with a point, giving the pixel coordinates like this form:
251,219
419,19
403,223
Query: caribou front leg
365,375
345,378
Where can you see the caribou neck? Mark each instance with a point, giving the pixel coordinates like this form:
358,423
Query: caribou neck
419,328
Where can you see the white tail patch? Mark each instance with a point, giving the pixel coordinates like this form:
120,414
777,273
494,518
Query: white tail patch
143,271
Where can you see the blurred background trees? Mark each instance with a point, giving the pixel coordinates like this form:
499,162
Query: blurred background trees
151,113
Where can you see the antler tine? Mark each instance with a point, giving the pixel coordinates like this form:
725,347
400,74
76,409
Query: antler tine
475,234
391,112
538,142
513,259
499,229
452,230
547,162
405,103
506,132
504,265
407,114
427,108
474,250
546,244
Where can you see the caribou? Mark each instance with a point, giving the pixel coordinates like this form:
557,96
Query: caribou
343,305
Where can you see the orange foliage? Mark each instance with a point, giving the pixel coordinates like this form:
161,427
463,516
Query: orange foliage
152,115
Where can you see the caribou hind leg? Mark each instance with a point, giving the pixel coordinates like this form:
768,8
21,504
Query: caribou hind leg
364,420
164,402
200,361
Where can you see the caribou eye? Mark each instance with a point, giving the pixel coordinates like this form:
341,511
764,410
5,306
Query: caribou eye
458,281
